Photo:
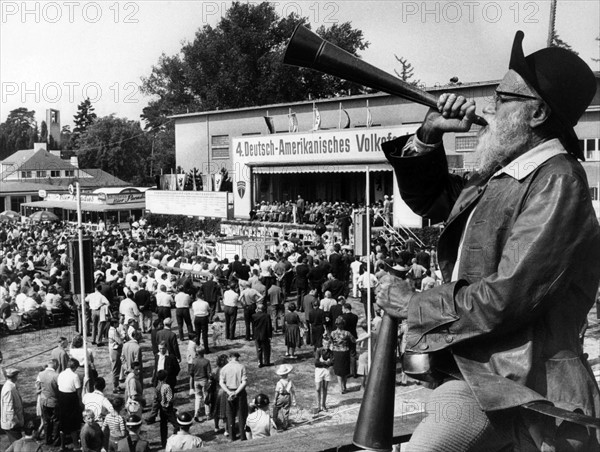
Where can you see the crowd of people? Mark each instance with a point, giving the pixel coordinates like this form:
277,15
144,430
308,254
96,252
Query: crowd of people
326,212
147,278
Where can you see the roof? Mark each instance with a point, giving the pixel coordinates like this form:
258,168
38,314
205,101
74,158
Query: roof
99,179
330,99
19,157
44,160
86,206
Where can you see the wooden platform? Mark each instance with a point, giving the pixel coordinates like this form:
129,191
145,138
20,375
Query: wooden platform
318,439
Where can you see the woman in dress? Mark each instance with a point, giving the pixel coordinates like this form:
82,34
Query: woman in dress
293,338
219,397
340,345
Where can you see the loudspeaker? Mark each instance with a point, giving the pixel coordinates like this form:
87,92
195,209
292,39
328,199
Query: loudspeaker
88,265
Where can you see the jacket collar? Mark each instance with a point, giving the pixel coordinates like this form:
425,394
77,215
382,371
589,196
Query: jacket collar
525,164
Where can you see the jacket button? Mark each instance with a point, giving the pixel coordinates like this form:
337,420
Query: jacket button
423,346
449,338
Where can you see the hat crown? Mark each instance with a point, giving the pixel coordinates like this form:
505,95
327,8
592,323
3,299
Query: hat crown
562,79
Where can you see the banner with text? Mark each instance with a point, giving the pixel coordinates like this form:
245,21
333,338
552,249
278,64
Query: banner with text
333,148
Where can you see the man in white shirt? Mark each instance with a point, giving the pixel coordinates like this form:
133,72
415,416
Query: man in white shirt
164,302
128,308
95,301
230,308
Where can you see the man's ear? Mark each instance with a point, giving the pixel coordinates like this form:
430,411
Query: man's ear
540,114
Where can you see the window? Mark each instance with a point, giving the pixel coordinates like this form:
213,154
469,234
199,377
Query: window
15,203
594,193
25,174
69,173
465,143
219,145
55,173
40,174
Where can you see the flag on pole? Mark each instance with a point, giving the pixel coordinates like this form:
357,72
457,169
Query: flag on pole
293,124
369,117
317,117
270,126
347,126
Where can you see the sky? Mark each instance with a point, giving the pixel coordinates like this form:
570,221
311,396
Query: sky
53,54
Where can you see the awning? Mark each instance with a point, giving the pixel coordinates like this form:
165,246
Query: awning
323,168
85,206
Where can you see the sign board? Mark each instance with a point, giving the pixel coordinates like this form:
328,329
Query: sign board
42,193
194,203
330,148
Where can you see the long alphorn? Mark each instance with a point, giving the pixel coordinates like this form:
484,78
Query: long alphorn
307,49
375,423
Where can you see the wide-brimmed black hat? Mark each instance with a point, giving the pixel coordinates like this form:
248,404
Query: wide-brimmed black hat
562,79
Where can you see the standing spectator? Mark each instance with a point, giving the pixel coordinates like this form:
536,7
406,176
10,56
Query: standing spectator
263,333
183,302
92,438
157,325
293,338
336,310
27,443
47,387
164,302
201,310
355,267
230,308
128,308
165,360
69,403
334,285
233,381
170,339
300,209
115,425
340,345
219,406
132,352
285,397
115,349
211,292
301,270
200,373
259,422
416,273
317,321
249,297
366,280
143,299
350,322
60,355
11,406
95,301
134,392
183,440
164,401
323,361
275,305
133,442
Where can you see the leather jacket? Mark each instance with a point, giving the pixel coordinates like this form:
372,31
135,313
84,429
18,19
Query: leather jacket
529,268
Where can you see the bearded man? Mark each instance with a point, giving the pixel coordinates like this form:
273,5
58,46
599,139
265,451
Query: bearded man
519,255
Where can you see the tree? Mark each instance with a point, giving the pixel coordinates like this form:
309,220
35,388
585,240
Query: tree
18,132
558,42
117,146
406,72
83,119
238,63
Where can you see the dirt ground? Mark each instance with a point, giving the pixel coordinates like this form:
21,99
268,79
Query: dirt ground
32,349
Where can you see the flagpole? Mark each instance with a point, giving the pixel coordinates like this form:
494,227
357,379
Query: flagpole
368,239
86,372
313,121
340,117
367,124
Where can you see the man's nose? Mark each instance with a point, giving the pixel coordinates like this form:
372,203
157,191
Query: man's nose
489,109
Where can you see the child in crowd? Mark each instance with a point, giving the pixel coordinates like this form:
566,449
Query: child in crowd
115,424
217,331
191,354
323,362
285,397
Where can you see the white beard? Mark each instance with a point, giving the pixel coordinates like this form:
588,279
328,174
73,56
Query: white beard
501,142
